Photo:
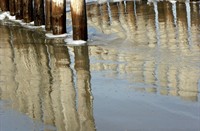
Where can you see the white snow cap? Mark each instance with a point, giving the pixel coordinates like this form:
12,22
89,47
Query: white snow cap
72,42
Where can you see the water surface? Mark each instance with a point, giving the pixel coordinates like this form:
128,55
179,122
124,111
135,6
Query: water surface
140,71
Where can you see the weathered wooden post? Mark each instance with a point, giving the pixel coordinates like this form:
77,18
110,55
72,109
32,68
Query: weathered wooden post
39,12
58,16
18,9
28,10
12,7
79,19
48,15
4,5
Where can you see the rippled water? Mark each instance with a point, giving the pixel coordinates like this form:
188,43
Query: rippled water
140,71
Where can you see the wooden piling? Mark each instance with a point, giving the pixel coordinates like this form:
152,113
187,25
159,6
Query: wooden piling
12,7
4,5
79,19
39,12
48,15
58,16
27,10
18,9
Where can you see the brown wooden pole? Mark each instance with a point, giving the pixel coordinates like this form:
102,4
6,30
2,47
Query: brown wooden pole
48,15
15,1
4,5
39,12
79,19
12,7
28,10
58,16
19,11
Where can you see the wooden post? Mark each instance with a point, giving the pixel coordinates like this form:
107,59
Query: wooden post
39,12
58,16
4,5
12,7
28,10
48,15
79,19
18,10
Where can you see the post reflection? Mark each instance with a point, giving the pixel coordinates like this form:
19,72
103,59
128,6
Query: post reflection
37,78
155,4
84,97
188,12
159,46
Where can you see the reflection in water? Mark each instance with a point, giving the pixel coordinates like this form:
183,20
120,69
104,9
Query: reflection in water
84,89
39,81
188,22
161,49
157,23
154,46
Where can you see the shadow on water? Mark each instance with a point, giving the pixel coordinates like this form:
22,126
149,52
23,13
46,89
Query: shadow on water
136,48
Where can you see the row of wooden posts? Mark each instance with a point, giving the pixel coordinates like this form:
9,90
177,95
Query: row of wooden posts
51,13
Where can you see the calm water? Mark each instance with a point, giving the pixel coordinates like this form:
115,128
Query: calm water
140,71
